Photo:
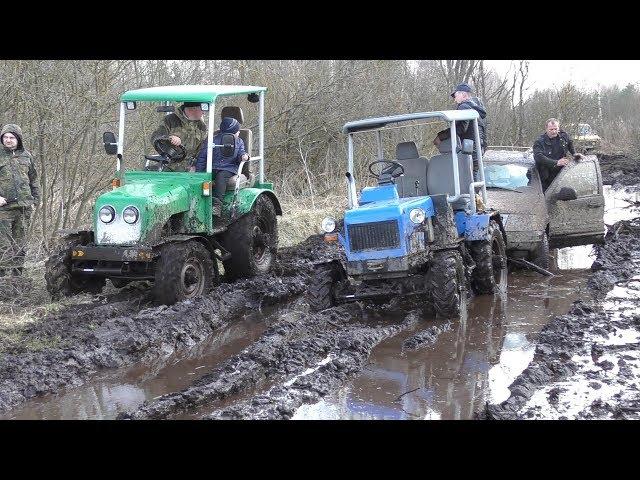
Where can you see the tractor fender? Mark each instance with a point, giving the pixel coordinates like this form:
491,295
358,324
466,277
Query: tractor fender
498,218
87,236
247,197
476,227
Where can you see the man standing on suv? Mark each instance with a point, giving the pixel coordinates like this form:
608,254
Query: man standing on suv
550,152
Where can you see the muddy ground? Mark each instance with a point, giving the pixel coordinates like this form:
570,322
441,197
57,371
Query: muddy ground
619,169
109,332
585,363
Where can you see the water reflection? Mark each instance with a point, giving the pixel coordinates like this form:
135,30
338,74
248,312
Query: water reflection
107,395
469,364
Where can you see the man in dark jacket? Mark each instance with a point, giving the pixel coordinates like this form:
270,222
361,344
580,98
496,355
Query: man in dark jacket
223,167
184,127
462,95
19,192
550,151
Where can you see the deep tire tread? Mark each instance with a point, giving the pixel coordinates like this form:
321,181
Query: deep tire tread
167,285
443,283
483,279
238,241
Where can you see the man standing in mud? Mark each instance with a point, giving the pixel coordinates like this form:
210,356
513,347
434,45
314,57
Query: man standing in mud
550,151
462,95
19,193
184,127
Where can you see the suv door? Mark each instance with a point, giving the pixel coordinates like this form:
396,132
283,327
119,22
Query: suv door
578,221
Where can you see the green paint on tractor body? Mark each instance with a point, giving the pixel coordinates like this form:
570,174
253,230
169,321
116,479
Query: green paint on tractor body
168,202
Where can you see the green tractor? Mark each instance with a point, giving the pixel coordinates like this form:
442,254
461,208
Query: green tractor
156,224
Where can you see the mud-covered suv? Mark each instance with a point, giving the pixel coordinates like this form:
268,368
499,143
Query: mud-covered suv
157,224
569,213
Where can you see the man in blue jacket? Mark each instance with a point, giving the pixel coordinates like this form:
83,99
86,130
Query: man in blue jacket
223,167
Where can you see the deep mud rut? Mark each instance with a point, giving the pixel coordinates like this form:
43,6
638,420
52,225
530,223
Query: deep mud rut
251,349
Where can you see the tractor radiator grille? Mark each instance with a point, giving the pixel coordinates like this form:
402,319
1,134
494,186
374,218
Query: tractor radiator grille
374,236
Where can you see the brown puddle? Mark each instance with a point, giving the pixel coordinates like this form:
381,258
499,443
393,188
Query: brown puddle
471,363
105,395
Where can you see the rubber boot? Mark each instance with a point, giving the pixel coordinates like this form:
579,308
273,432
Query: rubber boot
216,210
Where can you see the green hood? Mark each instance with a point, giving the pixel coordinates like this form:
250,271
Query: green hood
157,196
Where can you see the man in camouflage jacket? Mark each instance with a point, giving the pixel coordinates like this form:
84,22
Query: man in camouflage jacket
184,127
19,192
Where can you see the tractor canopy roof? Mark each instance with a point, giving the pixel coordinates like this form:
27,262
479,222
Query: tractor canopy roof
381,122
188,93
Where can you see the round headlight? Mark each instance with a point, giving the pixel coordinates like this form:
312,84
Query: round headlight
328,225
130,214
417,215
107,214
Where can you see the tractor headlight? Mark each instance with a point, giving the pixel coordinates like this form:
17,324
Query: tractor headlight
417,215
328,225
107,214
130,214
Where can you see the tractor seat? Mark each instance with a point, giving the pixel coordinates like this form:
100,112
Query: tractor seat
244,182
415,170
440,173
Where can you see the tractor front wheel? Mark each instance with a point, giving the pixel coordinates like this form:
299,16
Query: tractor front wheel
183,271
322,290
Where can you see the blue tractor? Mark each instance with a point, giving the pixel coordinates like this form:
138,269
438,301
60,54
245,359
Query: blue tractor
422,229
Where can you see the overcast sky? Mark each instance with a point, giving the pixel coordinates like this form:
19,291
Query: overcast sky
583,73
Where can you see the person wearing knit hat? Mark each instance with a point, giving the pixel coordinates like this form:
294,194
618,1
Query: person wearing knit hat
184,127
223,167
19,193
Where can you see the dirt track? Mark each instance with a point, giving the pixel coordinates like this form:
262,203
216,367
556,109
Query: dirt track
114,332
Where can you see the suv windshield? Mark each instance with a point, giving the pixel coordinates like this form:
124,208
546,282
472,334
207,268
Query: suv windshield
508,176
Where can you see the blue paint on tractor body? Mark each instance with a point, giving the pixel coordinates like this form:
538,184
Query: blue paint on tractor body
474,227
389,208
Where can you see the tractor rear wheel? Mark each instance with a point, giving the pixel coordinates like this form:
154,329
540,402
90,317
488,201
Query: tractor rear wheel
183,271
444,283
252,241
58,277
490,273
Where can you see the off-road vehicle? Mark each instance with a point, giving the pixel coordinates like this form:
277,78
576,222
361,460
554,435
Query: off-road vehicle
419,230
156,224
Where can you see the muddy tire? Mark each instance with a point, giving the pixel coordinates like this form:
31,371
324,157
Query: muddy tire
183,270
252,241
444,283
490,273
322,290
541,255
60,282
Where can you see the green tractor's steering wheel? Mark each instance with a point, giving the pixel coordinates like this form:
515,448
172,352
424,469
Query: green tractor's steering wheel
393,170
170,153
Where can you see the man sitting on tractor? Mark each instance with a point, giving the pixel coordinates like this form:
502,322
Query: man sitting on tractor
184,127
223,167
